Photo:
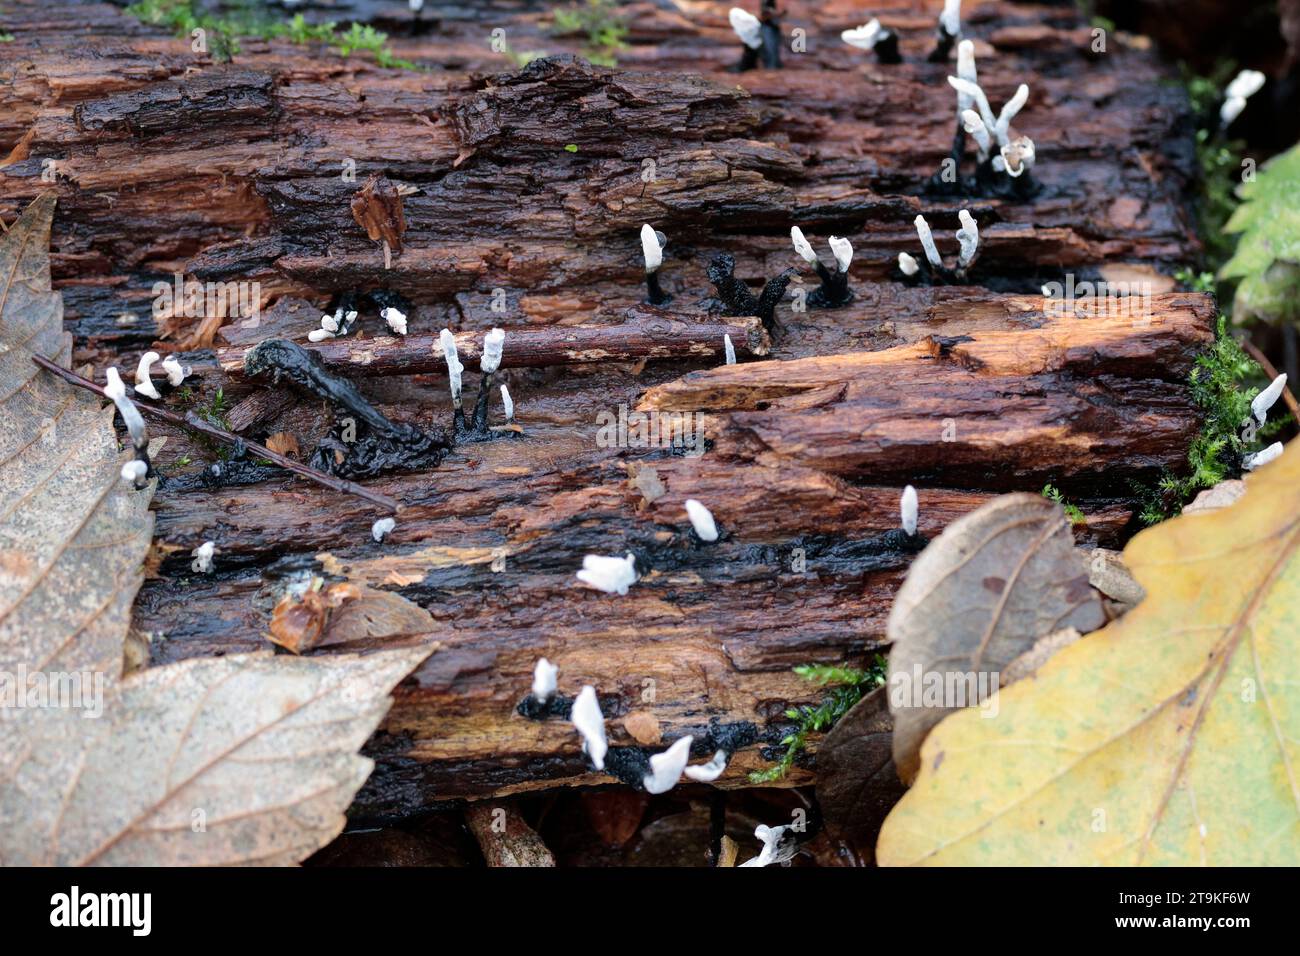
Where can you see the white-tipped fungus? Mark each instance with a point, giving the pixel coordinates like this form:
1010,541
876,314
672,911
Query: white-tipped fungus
747,26
1017,156
950,18
864,37
176,372
1262,458
590,722
701,520
971,123
927,242
651,249
135,471
611,575
1243,86
202,555
1009,110
909,509
319,335
329,323
395,318
493,345
379,530
728,349
842,249
454,366
802,246
966,61
1261,403
545,676
776,848
968,236
143,383
708,772
508,403
907,264
976,95
116,390
666,768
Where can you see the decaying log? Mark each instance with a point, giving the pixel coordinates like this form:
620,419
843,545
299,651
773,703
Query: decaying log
522,195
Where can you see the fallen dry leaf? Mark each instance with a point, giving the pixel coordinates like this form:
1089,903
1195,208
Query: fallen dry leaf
298,621
245,759
284,443
73,535
978,596
1170,737
857,782
377,208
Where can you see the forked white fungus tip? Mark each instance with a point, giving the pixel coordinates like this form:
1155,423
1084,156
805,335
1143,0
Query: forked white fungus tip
711,771
202,562
802,247
143,383
864,37
395,318
843,252
611,575
379,530
176,372
907,264
1262,458
666,768
728,349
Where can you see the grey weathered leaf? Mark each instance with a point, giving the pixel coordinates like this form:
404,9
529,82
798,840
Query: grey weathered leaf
980,594
245,759
857,783
73,535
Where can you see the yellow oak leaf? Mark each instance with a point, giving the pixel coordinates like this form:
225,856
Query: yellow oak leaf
1170,737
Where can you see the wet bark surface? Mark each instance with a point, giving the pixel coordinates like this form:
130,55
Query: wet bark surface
521,194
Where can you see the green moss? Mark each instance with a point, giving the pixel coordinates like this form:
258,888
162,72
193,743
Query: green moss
600,22
848,684
1223,384
241,18
1052,493
1219,161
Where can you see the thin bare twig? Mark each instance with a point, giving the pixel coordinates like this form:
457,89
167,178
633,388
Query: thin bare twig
212,431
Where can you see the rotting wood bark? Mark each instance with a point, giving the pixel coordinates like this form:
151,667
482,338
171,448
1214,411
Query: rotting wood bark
167,162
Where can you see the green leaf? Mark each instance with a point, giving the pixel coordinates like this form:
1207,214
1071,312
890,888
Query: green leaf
1267,258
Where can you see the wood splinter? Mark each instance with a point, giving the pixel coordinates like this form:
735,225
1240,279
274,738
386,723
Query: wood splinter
646,333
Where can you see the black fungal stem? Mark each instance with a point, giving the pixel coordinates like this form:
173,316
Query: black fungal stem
656,295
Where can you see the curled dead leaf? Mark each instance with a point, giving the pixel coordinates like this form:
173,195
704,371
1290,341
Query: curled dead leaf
377,208
980,594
